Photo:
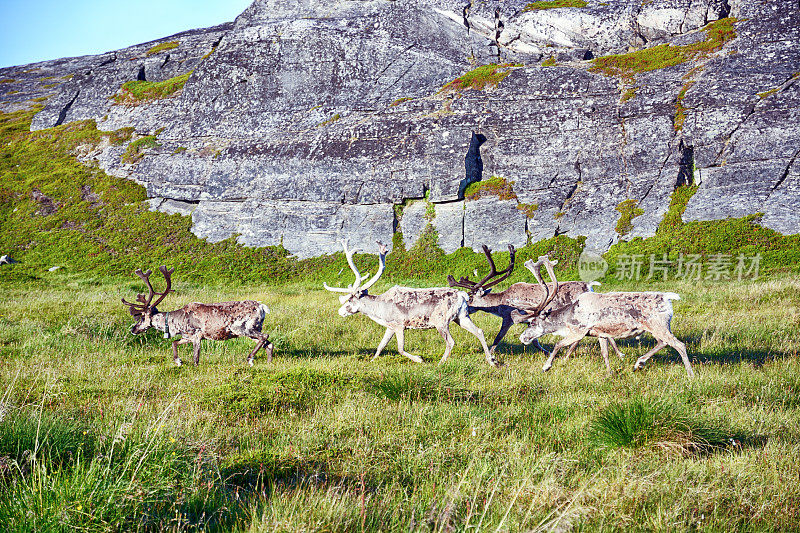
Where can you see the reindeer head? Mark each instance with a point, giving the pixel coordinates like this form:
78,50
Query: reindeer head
144,310
536,316
484,286
356,291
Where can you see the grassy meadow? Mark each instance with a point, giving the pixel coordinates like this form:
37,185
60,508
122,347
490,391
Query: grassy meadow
99,431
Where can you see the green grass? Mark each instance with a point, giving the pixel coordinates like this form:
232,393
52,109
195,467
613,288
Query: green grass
139,92
324,439
553,4
478,79
658,423
626,66
732,237
162,47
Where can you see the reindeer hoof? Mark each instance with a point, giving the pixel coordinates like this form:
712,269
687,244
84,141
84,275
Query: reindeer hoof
178,362
416,359
250,362
545,368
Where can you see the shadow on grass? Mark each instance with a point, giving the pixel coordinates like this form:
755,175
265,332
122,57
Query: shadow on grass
757,356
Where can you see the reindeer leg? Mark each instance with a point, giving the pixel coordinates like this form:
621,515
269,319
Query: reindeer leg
643,359
539,346
465,322
269,348
261,341
571,349
604,352
400,333
614,345
504,327
448,340
384,341
175,344
566,341
673,341
196,343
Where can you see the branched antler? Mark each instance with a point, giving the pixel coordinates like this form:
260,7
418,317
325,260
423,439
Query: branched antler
484,284
144,302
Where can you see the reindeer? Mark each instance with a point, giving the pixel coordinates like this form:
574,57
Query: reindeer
197,321
610,315
500,303
402,308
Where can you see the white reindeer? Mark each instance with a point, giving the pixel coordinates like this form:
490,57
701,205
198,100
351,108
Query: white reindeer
402,308
610,315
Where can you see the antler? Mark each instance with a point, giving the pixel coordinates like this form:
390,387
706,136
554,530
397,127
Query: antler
382,251
473,287
536,270
144,301
357,283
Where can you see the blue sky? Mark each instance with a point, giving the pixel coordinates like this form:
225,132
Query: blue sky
36,30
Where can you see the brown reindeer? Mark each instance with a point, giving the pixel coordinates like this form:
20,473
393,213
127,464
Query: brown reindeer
481,297
197,321
607,315
402,308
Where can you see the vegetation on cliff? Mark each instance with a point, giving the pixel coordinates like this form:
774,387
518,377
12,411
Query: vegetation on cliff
138,92
626,66
162,47
478,79
553,4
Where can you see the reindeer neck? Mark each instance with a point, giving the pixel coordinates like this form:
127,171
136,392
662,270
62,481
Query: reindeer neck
370,306
490,299
168,322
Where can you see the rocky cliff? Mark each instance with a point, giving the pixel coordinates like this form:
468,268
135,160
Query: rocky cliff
304,122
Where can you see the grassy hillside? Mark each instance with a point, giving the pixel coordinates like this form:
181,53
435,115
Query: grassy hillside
100,431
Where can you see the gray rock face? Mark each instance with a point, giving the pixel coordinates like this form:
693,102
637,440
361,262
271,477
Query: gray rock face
311,119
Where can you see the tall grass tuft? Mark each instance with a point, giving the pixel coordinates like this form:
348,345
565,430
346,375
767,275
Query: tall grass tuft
643,422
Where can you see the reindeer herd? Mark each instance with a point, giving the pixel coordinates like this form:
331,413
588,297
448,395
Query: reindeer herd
570,310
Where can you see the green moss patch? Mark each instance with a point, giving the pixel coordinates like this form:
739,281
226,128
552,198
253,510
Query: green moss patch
136,149
626,66
8,80
629,209
680,110
553,4
485,76
549,62
121,136
138,92
162,47
400,101
528,209
495,186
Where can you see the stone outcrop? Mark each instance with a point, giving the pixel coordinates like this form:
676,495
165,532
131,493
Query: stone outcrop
305,122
